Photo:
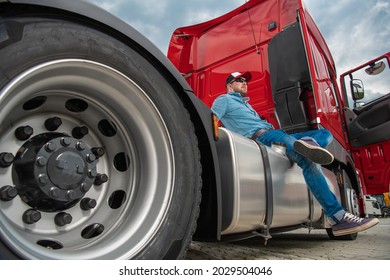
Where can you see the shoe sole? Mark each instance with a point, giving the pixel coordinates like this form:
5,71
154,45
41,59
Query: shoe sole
316,154
363,227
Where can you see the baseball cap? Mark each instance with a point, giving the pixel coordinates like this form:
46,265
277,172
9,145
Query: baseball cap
236,75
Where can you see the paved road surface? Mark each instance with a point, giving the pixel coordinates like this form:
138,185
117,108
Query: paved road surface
373,244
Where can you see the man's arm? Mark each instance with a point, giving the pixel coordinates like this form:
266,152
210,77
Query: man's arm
219,106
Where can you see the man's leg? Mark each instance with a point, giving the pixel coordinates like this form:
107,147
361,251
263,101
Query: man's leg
322,136
311,144
343,222
312,172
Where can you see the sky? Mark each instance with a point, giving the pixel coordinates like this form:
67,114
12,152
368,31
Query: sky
355,30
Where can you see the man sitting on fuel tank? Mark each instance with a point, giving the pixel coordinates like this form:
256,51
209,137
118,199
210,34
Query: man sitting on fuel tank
307,149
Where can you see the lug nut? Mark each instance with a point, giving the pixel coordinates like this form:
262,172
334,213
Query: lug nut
79,132
100,179
31,216
84,187
80,146
43,179
98,151
53,124
6,159
8,193
54,192
65,141
70,195
23,132
92,173
87,203
50,147
41,161
90,158
62,219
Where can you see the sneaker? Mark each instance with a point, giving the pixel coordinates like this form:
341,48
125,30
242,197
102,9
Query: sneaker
313,151
352,224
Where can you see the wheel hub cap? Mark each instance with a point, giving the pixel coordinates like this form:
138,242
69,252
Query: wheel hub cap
53,171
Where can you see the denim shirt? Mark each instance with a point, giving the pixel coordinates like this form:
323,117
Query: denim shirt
237,115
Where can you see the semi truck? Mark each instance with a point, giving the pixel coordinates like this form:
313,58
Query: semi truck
109,149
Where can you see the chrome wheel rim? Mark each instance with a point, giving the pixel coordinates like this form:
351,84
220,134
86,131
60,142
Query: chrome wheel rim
138,162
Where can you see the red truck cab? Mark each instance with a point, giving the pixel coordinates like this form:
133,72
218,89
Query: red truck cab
294,84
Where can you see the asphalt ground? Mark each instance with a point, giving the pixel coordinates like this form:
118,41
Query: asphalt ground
373,244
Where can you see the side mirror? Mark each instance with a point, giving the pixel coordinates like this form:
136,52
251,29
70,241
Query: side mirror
357,89
376,68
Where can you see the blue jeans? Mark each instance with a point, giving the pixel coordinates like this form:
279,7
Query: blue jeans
312,172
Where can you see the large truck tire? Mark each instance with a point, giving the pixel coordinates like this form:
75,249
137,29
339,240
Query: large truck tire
98,156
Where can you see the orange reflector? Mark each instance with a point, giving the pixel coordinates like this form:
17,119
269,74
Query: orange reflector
215,127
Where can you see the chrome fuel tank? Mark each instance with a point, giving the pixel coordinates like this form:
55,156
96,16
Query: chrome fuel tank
261,187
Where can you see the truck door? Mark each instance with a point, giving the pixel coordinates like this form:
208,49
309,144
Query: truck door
366,91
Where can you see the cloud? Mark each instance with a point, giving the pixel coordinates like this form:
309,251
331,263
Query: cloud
110,6
355,30
157,19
